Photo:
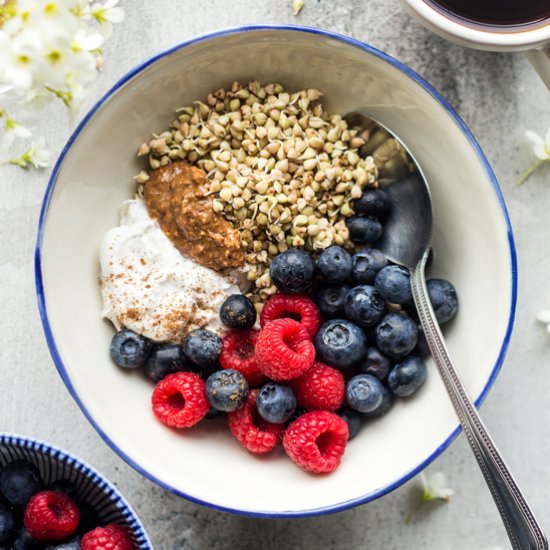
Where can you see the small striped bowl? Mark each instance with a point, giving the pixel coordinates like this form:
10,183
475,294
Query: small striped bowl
55,464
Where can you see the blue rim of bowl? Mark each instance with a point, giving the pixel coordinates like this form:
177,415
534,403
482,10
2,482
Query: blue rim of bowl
114,495
474,144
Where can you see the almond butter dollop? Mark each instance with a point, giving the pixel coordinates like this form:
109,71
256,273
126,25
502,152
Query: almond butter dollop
176,196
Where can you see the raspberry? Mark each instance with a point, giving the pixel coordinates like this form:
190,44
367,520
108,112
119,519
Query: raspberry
299,308
50,515
238,353
179,400
284,350
111,537
250,430
321,388
316,441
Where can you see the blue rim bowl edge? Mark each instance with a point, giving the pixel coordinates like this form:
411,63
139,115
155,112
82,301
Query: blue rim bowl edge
474,144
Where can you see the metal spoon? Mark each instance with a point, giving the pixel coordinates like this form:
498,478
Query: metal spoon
406,241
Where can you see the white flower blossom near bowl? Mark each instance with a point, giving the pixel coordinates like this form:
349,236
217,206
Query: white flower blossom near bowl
541,148
47,50
434,487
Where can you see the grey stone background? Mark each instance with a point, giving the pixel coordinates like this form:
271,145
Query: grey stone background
499,96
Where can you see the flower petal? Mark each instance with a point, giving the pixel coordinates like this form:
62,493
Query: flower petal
547,142
115,15
538,145
544,316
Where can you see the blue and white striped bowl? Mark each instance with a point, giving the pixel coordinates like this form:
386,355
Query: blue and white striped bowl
55,464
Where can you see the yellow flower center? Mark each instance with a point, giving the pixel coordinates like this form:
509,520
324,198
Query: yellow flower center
54,56
50,8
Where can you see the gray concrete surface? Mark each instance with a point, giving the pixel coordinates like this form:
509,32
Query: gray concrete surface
499,96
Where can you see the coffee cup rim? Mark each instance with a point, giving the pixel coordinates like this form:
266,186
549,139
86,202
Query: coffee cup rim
477,37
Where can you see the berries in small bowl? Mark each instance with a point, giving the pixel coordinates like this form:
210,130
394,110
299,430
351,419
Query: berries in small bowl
50,499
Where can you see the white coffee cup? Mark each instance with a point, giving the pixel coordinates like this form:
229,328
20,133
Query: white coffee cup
534,41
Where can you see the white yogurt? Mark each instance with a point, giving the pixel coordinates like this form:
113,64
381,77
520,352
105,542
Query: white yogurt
149,287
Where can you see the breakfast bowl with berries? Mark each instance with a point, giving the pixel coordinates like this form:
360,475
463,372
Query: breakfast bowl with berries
51,500
210,285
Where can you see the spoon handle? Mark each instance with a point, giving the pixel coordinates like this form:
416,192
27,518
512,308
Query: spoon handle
523,529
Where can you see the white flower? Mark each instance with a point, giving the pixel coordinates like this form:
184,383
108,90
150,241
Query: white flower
106,14
37,155
85,40
48,49
297,6
13,129
434,487
541,148
544,317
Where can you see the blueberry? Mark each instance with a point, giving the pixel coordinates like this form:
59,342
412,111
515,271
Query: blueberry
406,377
376,364
64,486
444,299
88,518
366,264
292,271
330,300
421,349
19,481
276,403
364,305
385,405
373,202
202,347
340,343
238,312
7,523
396,335
363,230
226,390
352,419
364,393
71,544
334,264
165,359
394,284
129,349
24,541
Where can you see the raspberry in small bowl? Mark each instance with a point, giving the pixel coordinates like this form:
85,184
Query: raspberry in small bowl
49,497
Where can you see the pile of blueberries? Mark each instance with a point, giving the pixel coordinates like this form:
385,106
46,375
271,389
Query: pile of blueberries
371,326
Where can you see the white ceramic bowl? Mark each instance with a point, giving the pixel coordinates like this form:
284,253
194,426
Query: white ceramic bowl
473,243
93,489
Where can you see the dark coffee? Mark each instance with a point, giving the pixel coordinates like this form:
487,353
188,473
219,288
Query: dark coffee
497,14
